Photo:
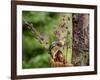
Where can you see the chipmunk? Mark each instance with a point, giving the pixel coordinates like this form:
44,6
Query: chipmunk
57,57
56,53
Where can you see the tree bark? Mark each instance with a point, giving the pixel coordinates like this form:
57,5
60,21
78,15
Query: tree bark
80,55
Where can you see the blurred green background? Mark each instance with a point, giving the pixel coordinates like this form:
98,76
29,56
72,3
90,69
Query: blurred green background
34,55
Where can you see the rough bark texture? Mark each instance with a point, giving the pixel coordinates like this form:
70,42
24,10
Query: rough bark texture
80,46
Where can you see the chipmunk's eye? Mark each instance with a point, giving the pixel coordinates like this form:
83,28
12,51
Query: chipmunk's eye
66,27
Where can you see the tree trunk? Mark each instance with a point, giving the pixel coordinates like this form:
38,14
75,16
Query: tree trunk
80,55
